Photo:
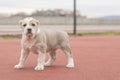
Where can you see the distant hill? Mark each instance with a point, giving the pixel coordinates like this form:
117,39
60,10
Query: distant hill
111,17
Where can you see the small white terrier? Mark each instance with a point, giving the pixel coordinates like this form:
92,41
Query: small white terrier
41,41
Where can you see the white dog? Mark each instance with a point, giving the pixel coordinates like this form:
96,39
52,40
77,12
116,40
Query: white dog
41,41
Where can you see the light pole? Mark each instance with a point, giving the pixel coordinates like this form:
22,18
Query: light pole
74,18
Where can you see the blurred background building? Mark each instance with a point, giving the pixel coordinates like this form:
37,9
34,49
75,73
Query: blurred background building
57,17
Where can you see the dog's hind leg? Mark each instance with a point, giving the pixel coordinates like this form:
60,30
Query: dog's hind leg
52,57
68,52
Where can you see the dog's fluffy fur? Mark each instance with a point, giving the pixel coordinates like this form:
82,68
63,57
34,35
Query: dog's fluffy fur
41,41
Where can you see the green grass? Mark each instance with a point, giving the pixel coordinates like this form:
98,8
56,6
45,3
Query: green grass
97,33
10,36
71,34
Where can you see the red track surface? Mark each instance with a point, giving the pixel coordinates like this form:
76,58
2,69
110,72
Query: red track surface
96,58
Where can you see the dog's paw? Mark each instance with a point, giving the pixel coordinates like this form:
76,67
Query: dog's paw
48,64
70,66
18,66
39,67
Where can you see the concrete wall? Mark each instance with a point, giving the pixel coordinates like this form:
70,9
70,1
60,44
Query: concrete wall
59,21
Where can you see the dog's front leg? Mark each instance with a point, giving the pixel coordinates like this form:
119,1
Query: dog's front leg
23,57
41,61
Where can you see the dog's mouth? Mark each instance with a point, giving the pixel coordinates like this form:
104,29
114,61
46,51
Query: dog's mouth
29,35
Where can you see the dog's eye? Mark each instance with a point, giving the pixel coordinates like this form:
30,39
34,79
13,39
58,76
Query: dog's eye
24,25
33,24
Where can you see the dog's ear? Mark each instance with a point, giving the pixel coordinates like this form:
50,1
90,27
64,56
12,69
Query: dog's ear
20,22
38,22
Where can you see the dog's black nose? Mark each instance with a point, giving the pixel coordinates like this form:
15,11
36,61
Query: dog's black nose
29,30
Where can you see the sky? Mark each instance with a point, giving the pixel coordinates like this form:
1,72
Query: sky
89,8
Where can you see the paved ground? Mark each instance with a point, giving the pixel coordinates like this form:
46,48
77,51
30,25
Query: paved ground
96,58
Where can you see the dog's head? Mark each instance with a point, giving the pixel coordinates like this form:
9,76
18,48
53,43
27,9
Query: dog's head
29,27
